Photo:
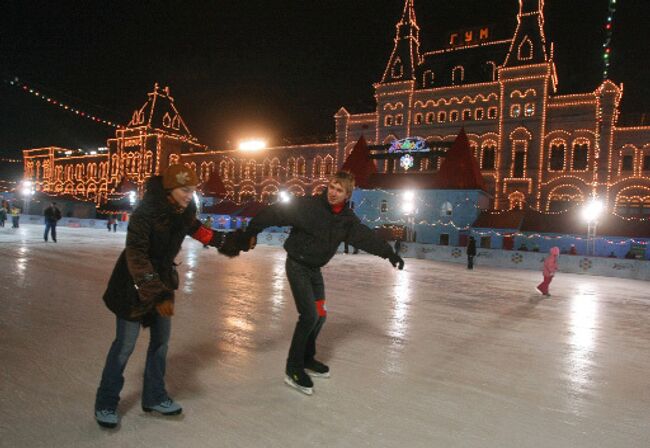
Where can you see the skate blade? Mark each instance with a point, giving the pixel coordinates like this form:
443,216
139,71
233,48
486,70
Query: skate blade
304,390
313,374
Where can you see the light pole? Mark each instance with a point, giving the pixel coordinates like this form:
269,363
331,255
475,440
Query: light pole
27,190
408,207
591,212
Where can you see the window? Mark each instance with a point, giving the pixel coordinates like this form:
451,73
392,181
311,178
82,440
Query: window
427,79
515,110
580,156
646,163
453,116
628,163
525,50
529,109
446,209
557,157
384,206
442,117
418,118
399,120
430,117
479,113
388,120
444,239
458,75
492,113
487,162
486,242
467,114
519,168
398,69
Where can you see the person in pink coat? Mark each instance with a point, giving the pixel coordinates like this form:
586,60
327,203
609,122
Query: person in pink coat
550,266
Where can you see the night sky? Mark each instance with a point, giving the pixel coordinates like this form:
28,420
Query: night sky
279,69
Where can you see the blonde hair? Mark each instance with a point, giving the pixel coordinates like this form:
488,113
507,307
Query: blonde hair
345,179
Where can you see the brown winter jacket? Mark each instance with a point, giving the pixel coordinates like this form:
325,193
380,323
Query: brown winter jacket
154,237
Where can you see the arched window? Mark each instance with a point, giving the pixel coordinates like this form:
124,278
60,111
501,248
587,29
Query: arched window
383,208
580,155
431,116
275,168
458,75
300,168
317,169
399,119
515,111
517,200
291,167
479,113
442,116
467,114
388,120
492,113
418,118
427,79
329,165
525,50
446,209
398,69
488,157
453,115
529,109
557,156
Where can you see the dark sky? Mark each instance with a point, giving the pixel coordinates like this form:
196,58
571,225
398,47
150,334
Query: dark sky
276,68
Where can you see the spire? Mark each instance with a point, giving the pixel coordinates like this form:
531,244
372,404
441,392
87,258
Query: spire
406,51
529,43
159,112
460,169
359,164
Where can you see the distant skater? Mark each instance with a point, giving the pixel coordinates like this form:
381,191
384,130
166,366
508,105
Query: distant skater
550,266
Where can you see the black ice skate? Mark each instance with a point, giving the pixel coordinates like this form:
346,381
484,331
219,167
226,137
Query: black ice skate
317,369
298,379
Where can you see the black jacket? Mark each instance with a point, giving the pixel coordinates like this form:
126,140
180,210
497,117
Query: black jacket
154,237
471,247
52,214
316,231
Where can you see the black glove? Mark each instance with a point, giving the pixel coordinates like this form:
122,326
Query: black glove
229,247
217,239
246,241
396,261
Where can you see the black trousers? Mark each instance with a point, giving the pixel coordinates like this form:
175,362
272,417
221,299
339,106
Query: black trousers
470,262
308,291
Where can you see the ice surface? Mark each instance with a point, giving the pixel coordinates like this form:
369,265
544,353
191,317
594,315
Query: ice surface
434,356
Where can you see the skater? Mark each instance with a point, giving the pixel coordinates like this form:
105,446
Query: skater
471,252
208,225
319,225
15,217
550,266
3,216
52,215
141,289
111,223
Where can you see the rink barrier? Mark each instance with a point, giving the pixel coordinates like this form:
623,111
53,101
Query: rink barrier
509,259
575,264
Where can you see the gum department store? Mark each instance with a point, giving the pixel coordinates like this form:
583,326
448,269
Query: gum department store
533,146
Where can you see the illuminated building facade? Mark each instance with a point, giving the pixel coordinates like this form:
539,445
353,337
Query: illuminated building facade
534,146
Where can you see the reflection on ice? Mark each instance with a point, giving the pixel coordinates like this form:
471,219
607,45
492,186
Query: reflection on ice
583,327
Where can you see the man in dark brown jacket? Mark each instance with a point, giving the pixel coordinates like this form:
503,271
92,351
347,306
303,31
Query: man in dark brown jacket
141,288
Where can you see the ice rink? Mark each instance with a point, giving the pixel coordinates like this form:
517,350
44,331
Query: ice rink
433,356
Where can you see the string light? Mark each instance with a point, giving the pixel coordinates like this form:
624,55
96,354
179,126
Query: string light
607,48
60,104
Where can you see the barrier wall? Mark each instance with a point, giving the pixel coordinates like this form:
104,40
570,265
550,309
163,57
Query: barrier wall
576,264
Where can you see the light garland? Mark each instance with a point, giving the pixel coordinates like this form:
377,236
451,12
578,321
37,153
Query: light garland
607,48
38,94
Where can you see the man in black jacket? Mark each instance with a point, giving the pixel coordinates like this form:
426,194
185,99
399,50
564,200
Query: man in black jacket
52,215
319,225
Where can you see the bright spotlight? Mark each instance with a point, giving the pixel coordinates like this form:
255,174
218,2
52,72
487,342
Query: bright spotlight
284,196
252,145
408,207
408,195
132,197
592,210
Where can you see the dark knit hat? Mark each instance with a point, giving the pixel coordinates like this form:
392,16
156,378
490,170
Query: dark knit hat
177,176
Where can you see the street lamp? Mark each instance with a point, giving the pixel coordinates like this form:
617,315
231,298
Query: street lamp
133,197
591,212
27,190
284,196
253,145
408,207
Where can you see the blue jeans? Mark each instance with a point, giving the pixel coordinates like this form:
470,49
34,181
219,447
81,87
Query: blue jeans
50,226
153,391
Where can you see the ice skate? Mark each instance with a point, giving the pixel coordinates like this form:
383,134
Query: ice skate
317,369
298,379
